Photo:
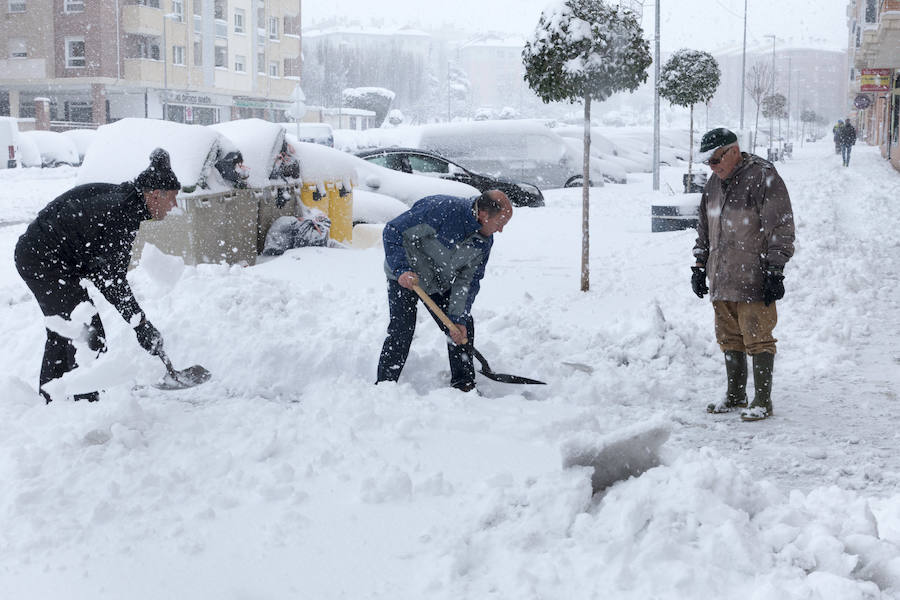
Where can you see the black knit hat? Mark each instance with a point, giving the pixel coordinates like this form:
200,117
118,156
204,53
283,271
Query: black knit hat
159,175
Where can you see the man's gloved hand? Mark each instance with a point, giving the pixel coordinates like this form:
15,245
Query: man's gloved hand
698,281
773,285
149,337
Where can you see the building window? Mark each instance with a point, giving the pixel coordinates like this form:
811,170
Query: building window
178,55
871,11
75,52
273,69
273,28
221,29
198,25
239,20
198,54
178,9
150,3
198,8
17,48
261,63
16,6
74,6
154,52
240,63
222,56
291,25
219,10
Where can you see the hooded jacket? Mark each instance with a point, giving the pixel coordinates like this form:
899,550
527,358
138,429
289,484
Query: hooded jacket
746,224
87,233
438,239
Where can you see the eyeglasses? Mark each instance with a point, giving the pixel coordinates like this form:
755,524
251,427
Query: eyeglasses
714,161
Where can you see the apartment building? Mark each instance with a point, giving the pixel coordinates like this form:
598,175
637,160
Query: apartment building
192,61
874,48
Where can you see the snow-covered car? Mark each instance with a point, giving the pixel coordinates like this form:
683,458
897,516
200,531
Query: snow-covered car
55,149
9,142
82,138
423,162
319,163
523,150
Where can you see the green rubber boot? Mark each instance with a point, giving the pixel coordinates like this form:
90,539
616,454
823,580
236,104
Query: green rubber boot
736,396
761,407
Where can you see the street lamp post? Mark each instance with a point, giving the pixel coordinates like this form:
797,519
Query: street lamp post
772,99
165,53
656,101
744,67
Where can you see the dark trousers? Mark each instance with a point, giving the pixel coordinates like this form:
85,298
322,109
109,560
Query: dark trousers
845,154
58,294
403,307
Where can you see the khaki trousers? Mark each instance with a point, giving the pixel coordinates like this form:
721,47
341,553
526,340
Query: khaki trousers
745,326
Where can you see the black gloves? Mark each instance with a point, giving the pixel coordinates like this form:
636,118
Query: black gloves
149,337
773,285
698,281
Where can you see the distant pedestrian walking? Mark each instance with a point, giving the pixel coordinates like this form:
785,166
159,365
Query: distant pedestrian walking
836,130
846,137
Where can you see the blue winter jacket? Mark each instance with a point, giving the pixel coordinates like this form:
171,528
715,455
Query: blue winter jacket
438,240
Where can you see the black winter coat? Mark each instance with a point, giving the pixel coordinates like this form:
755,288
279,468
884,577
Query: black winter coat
87,233
847,135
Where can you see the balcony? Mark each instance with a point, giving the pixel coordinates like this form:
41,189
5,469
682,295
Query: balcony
144,70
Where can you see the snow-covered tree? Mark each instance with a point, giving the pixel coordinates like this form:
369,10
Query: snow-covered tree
759,81
376,99
775,107
688,78
584,50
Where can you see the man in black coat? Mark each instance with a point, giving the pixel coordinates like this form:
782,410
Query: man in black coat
847,138
87,233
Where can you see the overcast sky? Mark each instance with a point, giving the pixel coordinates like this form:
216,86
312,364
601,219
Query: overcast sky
698,24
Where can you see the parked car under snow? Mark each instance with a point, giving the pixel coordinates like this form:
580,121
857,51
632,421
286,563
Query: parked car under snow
422,162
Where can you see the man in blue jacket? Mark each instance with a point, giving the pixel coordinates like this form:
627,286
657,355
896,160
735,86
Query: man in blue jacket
441,244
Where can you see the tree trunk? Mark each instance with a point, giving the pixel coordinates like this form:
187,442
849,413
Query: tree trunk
690,151
756,129
585,200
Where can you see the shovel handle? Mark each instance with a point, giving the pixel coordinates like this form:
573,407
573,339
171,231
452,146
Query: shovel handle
433,307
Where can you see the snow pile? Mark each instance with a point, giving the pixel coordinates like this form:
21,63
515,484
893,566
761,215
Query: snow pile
82,138
289,474
121,150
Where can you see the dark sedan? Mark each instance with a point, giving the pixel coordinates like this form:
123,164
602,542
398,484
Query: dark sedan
422,162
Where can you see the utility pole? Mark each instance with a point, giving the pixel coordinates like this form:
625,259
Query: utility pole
656,103
744,67
772,100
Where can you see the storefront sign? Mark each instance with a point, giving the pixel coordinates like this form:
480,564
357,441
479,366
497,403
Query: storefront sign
862,101
245,102
874,80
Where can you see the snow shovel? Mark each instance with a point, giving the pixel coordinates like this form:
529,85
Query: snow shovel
485,367
179,380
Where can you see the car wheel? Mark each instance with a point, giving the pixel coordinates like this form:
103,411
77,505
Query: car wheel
575,181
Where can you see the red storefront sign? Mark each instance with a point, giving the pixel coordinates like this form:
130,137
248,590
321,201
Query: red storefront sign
874,80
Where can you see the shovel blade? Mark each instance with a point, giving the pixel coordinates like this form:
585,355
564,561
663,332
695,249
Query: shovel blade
183,379
504,378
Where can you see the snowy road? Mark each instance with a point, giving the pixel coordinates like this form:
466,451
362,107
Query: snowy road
290,475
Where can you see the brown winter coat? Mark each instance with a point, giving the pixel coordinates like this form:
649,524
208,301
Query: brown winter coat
746,223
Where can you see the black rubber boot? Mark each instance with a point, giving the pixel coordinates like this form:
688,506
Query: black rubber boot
761,407
736,395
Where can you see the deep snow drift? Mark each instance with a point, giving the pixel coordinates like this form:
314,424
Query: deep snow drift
290,475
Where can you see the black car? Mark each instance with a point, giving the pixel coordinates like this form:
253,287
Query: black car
423,162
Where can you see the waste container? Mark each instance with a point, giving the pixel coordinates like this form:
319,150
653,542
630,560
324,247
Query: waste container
312,196
213,228
274,202
340,211
674,217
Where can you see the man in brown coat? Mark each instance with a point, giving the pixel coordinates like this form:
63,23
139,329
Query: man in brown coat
745,237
